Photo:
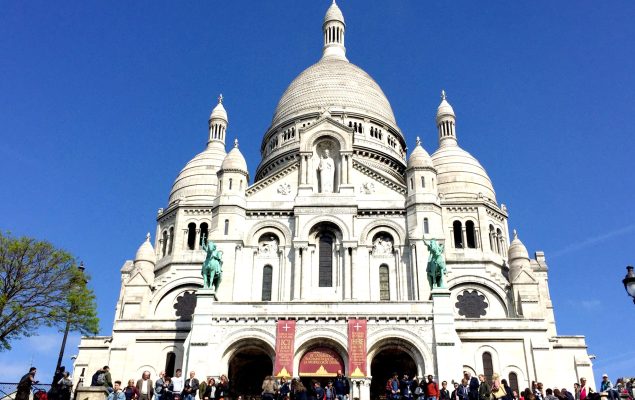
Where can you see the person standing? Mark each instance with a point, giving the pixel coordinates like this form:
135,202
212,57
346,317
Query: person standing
484,389
444,393
342,386
145,386
177,384
432,389
269,388
222,388
131,391
64,387
190,387
584,389
284,390
158,386
117,393
473,385
25,385
406,387
210,390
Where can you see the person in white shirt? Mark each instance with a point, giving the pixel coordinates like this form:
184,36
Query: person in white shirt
177,382
145,386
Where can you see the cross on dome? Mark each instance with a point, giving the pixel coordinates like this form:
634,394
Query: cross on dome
148,237
220,98
418,141
442,94
235,143
515,234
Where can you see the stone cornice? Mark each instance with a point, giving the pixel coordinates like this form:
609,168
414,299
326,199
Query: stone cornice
257,186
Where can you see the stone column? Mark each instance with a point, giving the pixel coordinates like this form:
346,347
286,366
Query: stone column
305,272
185,235
197,242
297,267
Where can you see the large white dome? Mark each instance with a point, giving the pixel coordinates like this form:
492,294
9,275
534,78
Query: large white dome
460,175
337,85
197,181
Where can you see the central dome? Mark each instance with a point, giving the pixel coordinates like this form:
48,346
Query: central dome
337,85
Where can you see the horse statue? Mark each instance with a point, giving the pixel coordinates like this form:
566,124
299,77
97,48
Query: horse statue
436,264
212,270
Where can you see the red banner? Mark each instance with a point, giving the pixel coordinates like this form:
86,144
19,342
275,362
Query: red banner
285,337
321,361
357,348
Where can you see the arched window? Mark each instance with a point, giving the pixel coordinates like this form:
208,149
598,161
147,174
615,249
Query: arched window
457,229
204,234
240,186
171,239
492,238
412,183
170,363
226,230
470,234
488,368
326,260
267,279
499,241
164,244
426,226
231,181
191,235
384,283
423,181
513,381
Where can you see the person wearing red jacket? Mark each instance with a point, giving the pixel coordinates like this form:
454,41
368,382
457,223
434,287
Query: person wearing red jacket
432,389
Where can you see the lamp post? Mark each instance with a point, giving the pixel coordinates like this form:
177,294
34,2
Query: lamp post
67,328
629,282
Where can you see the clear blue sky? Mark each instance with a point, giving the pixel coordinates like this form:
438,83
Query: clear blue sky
102,104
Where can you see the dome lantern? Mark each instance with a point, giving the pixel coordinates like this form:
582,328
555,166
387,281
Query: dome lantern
333,32
446,122
218,123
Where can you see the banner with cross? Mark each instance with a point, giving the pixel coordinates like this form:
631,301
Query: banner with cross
357,348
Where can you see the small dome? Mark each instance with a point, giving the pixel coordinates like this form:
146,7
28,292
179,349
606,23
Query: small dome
334,14
444,108
419,158
197,181
460,175
219,111
517,249
146,252
234,161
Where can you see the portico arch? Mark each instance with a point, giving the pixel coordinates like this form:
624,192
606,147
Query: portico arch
249,361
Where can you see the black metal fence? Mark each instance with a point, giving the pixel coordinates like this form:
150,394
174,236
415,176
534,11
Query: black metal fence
9,389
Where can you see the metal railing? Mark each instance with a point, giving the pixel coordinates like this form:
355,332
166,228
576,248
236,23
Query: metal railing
8,390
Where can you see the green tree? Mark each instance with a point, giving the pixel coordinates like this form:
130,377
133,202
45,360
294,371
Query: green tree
41,286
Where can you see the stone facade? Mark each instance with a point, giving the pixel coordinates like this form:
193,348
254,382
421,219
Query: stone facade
331,229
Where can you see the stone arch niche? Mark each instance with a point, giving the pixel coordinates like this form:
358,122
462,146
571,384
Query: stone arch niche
250,361
327,165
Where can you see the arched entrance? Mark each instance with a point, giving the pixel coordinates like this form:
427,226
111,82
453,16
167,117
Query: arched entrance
320,364
248,367
387,362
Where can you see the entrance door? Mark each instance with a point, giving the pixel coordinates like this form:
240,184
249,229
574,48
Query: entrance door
247,369
386,363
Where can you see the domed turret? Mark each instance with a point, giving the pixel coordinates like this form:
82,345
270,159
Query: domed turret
518,257
197,182
146,252
420,176
218,122
233,174
460,175
419,158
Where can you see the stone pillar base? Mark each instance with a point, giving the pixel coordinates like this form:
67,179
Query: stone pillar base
90,393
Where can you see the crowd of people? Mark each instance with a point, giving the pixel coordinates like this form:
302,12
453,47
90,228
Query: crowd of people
494,388
338,388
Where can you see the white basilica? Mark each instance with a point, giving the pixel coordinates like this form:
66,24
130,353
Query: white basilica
324,260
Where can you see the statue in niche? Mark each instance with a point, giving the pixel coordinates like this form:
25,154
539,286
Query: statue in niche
326,170
269,247
382,246
436,264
